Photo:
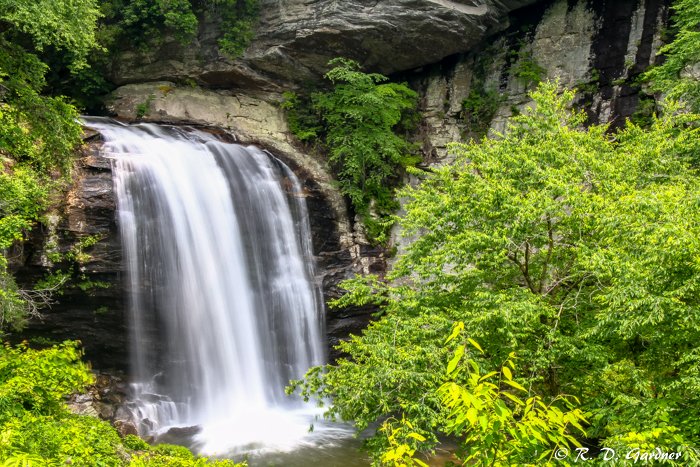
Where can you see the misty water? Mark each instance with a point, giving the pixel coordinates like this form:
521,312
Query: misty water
223,307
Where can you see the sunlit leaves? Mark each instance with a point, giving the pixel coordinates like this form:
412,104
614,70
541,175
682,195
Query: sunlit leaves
68,25
575,248
37,429
499,422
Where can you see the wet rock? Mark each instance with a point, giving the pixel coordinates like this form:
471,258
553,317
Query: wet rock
103,399
90,307
179,435
125,428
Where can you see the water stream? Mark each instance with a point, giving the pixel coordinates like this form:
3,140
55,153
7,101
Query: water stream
223,307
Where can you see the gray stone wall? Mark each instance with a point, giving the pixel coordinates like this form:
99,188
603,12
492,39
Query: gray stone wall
596,47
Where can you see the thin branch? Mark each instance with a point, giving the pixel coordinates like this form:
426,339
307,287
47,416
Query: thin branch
550,251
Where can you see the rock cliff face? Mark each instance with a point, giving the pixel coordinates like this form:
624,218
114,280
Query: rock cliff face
90,307
296,38
598,48
445,49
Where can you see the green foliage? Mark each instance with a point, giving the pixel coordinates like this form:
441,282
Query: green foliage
70,273
303,122
488,412
644,115
483,101
586,88
157,459
574,249
38,134
395,367
239,17
36,427
479,108
39,131
168,455
526,69
34,382
399,452
86,284
144,23
498,421
675,76
13,310
77,251
357,121
57,440
134,443
22,199
54,280
68,26
143,108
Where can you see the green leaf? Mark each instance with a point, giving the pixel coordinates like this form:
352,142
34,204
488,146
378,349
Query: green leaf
456,330
513,398
472,415
488,375
515,385
452,364
474,343
507,373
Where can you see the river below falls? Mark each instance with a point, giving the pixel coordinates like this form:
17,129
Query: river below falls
326,444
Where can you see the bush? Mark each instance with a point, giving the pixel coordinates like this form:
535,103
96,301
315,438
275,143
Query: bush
37,429
357,122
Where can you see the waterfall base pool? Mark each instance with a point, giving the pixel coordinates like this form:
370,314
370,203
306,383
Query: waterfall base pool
283,439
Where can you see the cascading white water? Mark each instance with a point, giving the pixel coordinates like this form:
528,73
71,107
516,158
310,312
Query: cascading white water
223,308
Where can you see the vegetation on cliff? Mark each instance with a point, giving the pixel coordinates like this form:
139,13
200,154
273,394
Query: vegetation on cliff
38,132
147,22
679,75
358,123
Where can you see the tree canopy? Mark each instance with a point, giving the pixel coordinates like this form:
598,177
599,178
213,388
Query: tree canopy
572,249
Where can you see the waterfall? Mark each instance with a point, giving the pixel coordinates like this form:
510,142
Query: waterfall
223,307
